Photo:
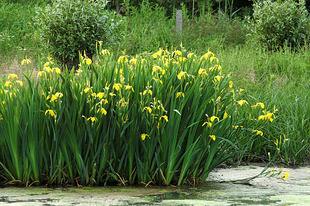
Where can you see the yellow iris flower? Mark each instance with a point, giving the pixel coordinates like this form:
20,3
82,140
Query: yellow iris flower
179,95
202,72
230,84
259,104
129,88
117,86
12,77
143,136
51,113
55,97
122,59
213,118
285,175
88,61
182,75
164,118
217,78
212,137
100,95
41,73
266,117
105,52
25,61
225,116
102,111
133,61
258,132
147,109
147,92
87,90
207,56
242,102
157,54
8,84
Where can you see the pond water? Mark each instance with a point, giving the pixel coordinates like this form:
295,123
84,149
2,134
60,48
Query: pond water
224,187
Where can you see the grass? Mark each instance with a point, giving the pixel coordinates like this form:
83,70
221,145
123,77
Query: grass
18,37
148,28
280,78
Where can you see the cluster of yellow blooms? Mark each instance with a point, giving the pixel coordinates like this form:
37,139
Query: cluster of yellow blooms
12,80
98,100
160,63
11,86
49,69
25,61
242,102
54,97
268,116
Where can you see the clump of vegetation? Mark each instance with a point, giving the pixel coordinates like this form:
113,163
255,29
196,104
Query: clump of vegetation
280,77
279,23
73,26
162,118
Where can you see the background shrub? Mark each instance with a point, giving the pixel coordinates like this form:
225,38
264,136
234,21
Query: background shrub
70,26
279,23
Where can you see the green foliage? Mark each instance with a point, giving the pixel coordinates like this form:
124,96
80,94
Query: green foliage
144,29
17,33
24,1
217,32
281,78
148,28
276,24
163,118
73,26
194,7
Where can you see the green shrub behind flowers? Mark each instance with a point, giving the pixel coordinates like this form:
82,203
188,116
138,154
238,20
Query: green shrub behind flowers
70,26
162,118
